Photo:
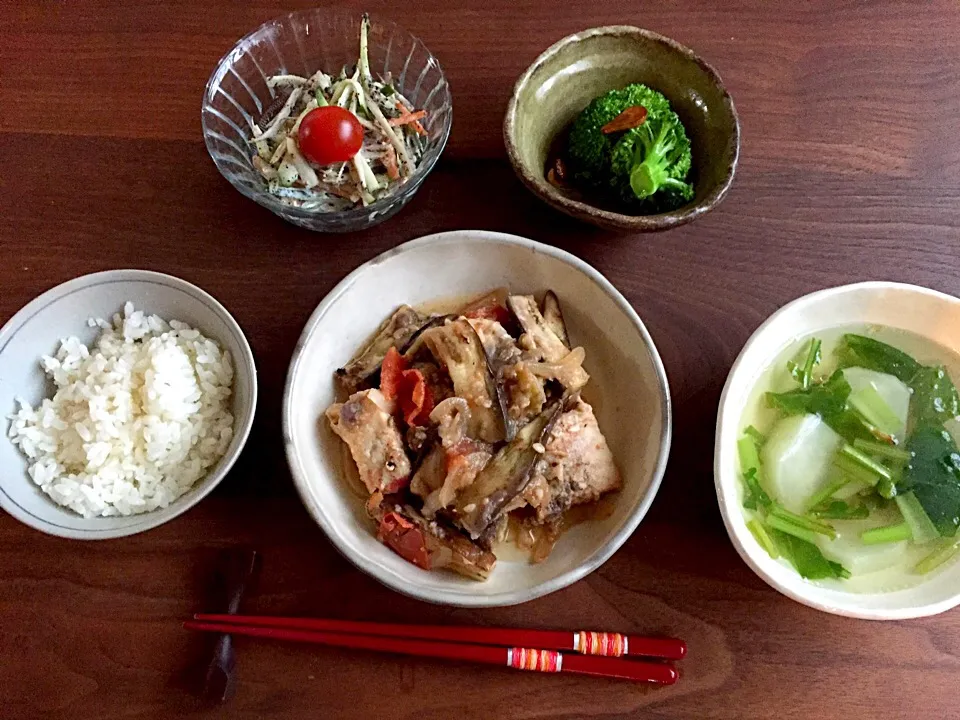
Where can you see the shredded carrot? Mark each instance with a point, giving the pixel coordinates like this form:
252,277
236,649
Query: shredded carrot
391,374
408,118
405,111
390,163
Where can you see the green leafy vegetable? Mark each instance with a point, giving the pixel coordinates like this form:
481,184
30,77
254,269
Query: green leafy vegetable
866,462
780,512
934,397
840,510
879,449
828,400
813,359
934,477
757,436
763,537
828,491
789,528
868,402
755,496
921,525
937,558
807,558
887,534
863,351
854,470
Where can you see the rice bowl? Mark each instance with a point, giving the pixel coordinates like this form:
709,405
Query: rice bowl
136,419
64,311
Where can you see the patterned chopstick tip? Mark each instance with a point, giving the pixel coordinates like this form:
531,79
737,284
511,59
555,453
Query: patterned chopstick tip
532,659
600,643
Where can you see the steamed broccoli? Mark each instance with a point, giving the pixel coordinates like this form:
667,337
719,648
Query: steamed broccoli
651,163
646,166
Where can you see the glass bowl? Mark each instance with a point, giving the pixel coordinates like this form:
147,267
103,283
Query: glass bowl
302,43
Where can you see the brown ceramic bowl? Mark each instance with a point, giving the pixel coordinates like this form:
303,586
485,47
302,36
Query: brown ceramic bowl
569,74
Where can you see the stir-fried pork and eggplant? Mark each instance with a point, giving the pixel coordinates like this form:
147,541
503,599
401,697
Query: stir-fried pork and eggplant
468,424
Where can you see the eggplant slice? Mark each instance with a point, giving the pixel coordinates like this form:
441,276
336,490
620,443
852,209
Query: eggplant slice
480,504
553,317
457,347
541,339
397,331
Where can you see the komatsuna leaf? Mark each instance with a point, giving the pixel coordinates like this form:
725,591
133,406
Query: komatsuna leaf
828,400
934,397
807,558
934,477
863,351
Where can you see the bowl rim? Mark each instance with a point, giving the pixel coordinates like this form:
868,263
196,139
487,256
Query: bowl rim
721,479
203,487
598,215
507,597
265,199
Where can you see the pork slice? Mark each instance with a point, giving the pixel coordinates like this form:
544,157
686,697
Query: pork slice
375,442
577,466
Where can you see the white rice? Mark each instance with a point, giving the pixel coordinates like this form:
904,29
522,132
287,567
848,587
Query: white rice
136,420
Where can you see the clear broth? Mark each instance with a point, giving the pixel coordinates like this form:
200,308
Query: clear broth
776,378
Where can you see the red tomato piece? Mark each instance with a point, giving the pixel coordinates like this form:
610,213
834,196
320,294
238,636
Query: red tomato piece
329,135
391,374
405,539
490,312
416,400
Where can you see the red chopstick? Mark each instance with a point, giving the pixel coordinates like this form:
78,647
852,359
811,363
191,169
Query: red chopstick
584,642
516,657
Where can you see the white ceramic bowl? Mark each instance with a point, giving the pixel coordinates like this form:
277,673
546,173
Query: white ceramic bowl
63,311
628,389
927,313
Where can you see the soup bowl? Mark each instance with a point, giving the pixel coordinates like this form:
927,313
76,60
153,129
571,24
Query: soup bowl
932,316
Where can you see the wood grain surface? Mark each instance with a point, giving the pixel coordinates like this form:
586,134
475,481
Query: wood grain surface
850,170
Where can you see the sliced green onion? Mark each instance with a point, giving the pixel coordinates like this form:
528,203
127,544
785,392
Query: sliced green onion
778,523
828,491
866,462
886,534
937,558
916,517
883,450
868,402
757,436
763,538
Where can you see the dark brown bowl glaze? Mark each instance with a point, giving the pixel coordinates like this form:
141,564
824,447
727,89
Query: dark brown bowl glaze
573,71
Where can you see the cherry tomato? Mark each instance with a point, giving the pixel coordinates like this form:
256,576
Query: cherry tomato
329,135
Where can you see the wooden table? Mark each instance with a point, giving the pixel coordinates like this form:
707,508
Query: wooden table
849,171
